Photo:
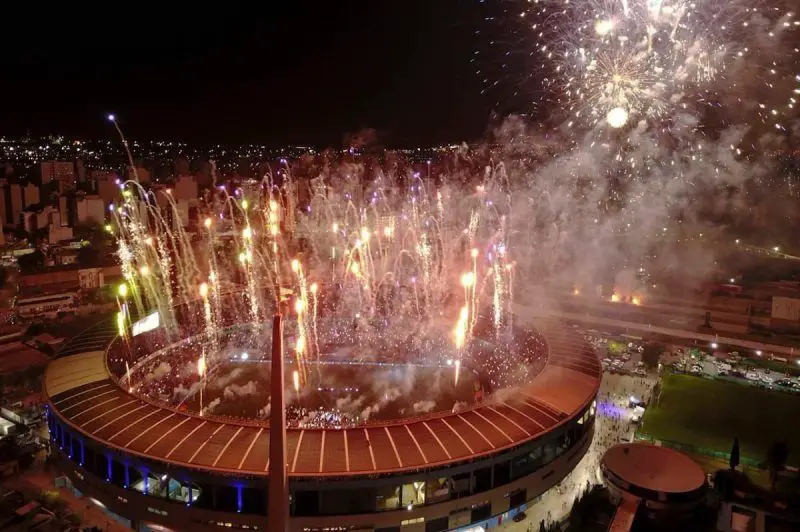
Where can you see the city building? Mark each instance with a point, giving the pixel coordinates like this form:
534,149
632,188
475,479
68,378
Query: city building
139,173
62,172
65,210
30,195
4,209
107,185
58,232
16,203
70,278
34,219
160,468
45,305
90,210
185,188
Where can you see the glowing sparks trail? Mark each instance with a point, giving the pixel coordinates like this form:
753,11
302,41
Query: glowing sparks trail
376,267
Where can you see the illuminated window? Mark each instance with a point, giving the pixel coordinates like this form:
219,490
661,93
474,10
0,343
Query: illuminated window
413,494
438,490
182,491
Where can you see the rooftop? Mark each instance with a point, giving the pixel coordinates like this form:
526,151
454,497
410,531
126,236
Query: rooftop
655,468
82,392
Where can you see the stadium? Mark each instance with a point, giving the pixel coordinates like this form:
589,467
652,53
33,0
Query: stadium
154,466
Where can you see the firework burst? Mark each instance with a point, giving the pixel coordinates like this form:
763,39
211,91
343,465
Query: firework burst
614,62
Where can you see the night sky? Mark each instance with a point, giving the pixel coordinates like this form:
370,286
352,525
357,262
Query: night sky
289,72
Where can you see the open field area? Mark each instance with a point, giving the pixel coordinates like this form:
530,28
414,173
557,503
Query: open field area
711,413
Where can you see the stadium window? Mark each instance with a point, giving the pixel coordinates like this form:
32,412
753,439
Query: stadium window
136,480
413,494
438,490
306,503
483,479
177,491
157,484
387,498
117,473
461,484
502,473
549,452
481,512
254,500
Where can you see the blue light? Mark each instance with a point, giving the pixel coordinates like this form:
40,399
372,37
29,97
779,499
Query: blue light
108,458
239,498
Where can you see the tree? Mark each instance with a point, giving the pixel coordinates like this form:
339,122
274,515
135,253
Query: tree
734,460
88,256
777,455
31,262
652,354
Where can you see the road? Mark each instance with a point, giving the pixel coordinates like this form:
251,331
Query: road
638,320
611,426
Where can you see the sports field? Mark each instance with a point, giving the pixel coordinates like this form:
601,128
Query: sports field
711,413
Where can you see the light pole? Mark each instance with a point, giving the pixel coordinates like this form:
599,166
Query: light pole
278,503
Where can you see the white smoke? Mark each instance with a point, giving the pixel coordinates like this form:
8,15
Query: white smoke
423,407
212,405
234,391
159,372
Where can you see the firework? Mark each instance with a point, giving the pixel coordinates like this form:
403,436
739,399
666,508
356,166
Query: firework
616,62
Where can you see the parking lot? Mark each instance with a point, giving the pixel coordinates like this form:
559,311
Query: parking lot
622,354
728,365
619,354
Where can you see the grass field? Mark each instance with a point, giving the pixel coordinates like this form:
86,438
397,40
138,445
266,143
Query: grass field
711,413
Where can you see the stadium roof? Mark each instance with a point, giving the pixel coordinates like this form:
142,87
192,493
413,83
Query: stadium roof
82,392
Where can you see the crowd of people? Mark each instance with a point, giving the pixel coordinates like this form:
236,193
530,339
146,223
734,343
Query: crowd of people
304,418
612,424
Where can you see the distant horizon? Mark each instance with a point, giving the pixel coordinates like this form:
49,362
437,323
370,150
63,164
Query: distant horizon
210,144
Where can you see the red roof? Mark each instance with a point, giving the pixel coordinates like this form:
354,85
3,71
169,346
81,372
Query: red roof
82,393
655,468
16,356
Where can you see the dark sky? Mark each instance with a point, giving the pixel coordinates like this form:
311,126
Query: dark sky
290,71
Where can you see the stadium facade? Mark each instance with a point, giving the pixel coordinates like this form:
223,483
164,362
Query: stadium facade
158,468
